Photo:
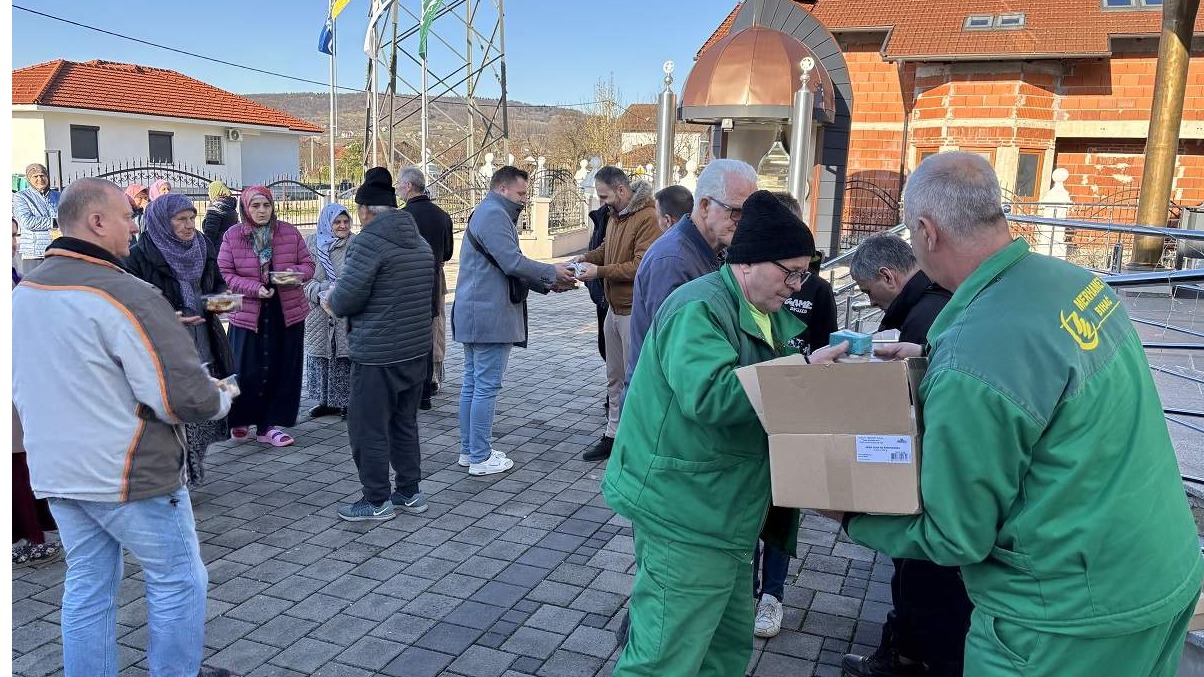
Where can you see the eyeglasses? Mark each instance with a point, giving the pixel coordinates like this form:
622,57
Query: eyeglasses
734,213
793,277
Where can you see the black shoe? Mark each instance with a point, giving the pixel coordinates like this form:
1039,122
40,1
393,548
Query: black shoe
425,404
433,388
322,410
624,629
879,664
343,413
601,450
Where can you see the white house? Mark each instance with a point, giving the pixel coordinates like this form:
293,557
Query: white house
86,117
637,137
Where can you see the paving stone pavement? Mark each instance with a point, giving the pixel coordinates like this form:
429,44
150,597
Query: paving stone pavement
524,573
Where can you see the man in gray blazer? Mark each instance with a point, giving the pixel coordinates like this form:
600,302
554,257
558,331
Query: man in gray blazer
485,316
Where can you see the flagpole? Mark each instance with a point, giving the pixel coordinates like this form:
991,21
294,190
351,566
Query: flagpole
333,105
425,158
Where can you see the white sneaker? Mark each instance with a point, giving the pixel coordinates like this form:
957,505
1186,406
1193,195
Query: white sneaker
466,459
769,617
491,466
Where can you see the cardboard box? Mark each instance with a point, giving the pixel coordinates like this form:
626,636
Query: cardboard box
841,436
1197,616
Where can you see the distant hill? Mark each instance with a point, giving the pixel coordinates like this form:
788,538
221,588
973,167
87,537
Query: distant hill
315,107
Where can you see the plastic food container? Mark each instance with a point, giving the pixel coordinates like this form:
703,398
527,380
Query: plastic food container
230,385
223,303
284,277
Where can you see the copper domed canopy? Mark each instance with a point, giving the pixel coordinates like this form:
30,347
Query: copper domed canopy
753,74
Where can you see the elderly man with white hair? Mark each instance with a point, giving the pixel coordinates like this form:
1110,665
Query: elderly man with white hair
1049,475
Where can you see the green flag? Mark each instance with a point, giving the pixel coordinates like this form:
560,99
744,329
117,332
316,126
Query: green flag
429,9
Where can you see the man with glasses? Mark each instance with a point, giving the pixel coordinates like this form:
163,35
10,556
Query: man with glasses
691,248
691,462
630,231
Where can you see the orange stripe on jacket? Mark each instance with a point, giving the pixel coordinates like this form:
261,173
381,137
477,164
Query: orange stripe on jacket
150,348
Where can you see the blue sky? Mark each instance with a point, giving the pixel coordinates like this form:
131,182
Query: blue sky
556,50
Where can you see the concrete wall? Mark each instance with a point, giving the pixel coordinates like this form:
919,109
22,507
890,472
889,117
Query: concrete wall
266,156
29,140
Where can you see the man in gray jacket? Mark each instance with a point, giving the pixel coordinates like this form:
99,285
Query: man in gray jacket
103,377
385,294
484,316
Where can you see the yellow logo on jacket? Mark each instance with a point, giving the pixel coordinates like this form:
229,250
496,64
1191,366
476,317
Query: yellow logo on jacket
1082,328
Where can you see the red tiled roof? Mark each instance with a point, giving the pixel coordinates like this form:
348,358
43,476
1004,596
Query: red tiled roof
129,88
724,28
641,117
1066,28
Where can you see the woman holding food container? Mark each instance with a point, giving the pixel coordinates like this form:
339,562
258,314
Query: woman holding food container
177,259
266,261
327,365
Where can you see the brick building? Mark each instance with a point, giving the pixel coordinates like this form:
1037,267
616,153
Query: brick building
1031,86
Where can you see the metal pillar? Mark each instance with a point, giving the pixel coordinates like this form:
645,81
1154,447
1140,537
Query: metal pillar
666,117
801,153
1166,114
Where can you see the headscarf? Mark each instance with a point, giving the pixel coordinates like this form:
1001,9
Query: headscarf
38,168
326,239
132,191
156,187
186,259
261,236
218,189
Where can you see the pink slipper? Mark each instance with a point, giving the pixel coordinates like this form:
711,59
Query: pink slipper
240,433
276,437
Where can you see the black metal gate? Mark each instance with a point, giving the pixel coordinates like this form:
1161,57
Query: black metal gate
868,209
191,181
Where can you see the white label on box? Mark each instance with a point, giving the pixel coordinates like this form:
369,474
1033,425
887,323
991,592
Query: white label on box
883,449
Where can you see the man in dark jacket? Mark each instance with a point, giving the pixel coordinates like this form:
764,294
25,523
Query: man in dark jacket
599,217
436,228
932,612
385,293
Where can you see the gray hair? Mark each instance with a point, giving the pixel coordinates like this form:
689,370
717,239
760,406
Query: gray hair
613,177
414,177
377,210
884,250
957,191
713,180
81,198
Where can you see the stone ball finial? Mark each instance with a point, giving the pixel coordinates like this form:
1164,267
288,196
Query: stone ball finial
1060,175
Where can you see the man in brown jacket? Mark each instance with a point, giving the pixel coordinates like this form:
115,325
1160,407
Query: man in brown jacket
631,230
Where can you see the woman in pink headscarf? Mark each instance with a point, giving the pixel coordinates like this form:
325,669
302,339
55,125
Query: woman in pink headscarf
160,187
268,334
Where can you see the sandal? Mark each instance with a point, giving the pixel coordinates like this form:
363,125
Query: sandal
276,437
40,553
240,433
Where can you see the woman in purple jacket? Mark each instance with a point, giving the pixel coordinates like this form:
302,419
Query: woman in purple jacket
268,333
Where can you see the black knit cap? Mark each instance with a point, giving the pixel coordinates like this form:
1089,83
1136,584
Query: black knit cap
768,231
377,189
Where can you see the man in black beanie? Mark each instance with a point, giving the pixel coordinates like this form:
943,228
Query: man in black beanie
690,467
385,293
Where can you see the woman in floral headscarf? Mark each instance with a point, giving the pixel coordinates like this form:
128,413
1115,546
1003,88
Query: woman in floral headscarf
268,333
327,365
176,258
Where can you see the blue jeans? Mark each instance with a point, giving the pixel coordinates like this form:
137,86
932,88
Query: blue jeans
484,366
770,567
161,534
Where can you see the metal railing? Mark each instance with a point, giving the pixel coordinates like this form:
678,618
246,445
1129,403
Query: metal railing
1110,243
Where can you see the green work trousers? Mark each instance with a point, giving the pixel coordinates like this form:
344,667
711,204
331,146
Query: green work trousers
999,648
691,611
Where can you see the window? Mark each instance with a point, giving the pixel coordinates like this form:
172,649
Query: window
160,147
213,150
85,144
926,153
1131,4
1013,20
979,22
1028,173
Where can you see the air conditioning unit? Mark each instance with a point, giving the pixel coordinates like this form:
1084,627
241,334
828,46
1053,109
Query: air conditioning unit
234,135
